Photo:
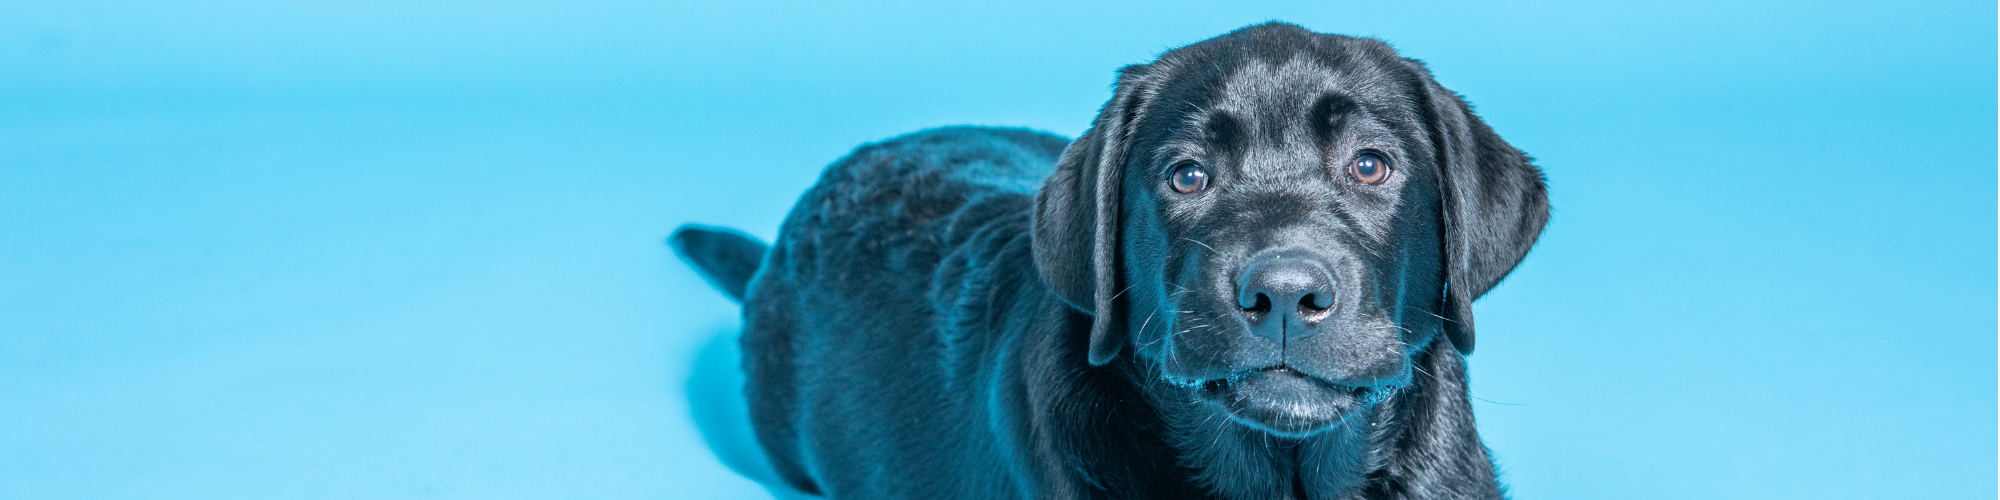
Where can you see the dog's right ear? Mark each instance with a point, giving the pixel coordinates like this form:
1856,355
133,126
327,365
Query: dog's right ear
1076,235
1495,204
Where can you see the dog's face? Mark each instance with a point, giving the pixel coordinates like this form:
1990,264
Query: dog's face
1297,216
1281,239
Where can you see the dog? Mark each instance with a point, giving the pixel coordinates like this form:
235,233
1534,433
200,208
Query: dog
1251,278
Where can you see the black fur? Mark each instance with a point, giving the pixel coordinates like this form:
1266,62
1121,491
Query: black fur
996,313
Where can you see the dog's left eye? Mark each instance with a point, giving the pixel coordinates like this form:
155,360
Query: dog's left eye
1188,177
1370,168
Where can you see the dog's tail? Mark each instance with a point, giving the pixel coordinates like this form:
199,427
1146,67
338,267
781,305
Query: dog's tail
725,257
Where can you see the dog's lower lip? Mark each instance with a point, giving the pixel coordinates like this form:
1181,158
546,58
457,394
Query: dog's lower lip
1282,401
1219,382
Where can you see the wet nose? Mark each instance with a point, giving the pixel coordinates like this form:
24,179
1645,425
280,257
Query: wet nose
1284,292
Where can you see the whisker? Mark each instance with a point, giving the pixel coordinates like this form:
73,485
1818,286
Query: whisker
1434,315
1427,373
1203,245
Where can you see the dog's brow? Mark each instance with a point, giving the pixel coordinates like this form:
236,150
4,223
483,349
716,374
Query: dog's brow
1329,115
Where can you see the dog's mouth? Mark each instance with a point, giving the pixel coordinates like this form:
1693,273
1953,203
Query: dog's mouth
1284,402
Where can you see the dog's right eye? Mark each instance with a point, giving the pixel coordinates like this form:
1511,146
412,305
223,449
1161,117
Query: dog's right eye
1188,177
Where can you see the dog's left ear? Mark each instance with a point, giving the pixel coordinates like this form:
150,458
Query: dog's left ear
1076,235
1495,204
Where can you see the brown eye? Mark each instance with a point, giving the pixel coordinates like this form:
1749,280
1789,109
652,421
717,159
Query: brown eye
1370,168
1188,177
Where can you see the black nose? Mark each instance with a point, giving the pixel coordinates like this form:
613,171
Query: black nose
1277,289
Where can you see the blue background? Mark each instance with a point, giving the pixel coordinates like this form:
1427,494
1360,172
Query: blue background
394,249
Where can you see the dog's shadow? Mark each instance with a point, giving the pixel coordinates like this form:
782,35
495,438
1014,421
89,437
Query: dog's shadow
722,413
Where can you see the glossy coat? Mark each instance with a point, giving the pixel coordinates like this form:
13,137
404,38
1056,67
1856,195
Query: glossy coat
1000,313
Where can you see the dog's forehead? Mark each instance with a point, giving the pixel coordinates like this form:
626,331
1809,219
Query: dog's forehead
1284,91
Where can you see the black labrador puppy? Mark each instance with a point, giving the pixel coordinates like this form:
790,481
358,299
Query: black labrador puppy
1250,279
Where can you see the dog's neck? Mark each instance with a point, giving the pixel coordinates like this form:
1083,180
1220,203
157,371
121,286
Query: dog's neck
1419,443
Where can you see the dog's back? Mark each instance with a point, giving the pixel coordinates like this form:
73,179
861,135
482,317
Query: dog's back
868,277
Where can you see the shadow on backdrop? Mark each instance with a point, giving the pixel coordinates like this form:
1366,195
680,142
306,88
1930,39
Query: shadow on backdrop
715,397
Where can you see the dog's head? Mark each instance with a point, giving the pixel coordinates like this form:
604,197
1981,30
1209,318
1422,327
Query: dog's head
1280,221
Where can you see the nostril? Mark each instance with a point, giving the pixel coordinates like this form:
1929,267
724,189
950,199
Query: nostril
1263,304
1259,307
1310,309
1310,303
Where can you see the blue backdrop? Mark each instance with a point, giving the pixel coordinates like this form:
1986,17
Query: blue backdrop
392,249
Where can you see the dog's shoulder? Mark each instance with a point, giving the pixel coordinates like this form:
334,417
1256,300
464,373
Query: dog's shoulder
897,203
921,173
898,264
930,227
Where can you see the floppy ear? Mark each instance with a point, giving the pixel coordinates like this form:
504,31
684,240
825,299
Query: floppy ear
1076,217
1495,203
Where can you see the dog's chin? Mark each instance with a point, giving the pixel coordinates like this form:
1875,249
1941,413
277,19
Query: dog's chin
1283,402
